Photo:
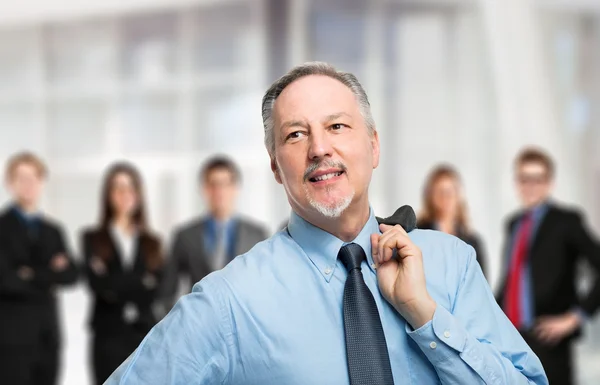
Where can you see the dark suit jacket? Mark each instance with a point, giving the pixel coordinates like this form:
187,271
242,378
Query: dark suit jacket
188,254
120,286
470,239
28,308
560,241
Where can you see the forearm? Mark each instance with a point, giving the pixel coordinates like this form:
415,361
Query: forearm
12,285
459,358
125,287
46,277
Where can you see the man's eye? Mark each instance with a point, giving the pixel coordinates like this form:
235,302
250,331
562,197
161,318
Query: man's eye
338,126
294,135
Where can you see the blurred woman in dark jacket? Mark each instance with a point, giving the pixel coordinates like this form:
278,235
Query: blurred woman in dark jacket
445,209
124,262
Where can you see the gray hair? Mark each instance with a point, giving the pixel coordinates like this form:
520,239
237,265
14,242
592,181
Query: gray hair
307,69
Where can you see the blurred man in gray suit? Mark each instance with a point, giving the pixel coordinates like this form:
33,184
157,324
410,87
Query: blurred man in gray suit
210,242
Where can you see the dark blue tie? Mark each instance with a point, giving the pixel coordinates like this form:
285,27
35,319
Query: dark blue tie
366,349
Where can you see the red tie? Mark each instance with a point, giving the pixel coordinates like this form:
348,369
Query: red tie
514,291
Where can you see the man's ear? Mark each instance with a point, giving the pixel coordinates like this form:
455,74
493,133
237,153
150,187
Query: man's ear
275,170
376,148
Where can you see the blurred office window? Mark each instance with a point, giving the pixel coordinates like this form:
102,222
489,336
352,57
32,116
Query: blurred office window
339,37
224,37
149,123
76,127
571,38
149,47
19,124
81,54
19,60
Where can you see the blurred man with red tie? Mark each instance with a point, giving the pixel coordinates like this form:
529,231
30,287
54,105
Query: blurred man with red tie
538,292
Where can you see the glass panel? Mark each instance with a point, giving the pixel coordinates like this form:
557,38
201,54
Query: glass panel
81,53
77,127
227,119
150,47
149,123
222,34
337,37
19,128
18,66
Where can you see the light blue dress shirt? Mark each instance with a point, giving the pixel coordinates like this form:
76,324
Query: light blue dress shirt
273,316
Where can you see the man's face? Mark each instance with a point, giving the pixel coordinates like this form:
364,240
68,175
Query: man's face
533,183
220,190
324,155
25,184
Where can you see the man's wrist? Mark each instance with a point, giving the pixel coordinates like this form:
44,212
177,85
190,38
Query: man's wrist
419,312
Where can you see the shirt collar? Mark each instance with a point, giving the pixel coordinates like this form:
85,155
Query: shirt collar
26,217
322,247
538,211
214,223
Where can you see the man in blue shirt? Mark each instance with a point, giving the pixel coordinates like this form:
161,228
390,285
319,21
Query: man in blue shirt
335,298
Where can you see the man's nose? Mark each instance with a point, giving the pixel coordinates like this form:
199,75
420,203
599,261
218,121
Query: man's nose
320,145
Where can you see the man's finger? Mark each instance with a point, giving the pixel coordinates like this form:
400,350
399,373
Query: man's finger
393,240
386,246
374,247
383,227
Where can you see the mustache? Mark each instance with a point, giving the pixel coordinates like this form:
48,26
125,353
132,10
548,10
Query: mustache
322,164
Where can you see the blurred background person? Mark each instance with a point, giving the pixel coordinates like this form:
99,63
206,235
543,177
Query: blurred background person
544,243
210,242
124,263
34,260
445,209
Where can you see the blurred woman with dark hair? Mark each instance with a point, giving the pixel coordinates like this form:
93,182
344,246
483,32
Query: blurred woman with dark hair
124,262
445,209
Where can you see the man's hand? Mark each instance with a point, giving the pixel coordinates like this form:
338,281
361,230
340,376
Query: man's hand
59,263
551,330
402,279
26,273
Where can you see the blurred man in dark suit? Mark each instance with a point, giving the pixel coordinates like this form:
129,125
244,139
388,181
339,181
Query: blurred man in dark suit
34,261
212,241
538,292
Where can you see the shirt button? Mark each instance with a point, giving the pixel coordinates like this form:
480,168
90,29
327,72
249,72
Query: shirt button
447,334
433,345
327,271
373,266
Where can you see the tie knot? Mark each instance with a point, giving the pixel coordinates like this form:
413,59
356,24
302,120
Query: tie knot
528,216
352,256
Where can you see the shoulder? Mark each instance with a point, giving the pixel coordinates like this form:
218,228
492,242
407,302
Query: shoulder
91,232
6,214
439,244
472,238
444,256
251,224
52,224
425,225
251,270
151,238
190,227
566,211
